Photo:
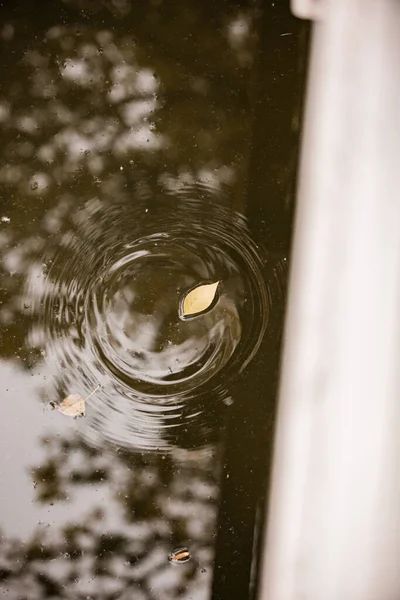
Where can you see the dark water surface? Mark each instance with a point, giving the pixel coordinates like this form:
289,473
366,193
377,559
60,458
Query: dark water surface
146,147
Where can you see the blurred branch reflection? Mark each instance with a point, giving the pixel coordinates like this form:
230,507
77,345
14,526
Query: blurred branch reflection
119,549
87,110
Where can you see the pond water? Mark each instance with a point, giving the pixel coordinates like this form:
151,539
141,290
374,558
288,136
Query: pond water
147,147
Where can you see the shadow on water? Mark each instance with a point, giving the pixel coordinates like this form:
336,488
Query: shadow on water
279,75
124,180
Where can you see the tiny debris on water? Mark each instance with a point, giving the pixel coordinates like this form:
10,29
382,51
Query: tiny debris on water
5,219
179,556
197,300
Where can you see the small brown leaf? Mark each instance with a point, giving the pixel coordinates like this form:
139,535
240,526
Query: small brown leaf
72,406
198,299
179,556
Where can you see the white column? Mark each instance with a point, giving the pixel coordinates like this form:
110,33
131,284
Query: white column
333,530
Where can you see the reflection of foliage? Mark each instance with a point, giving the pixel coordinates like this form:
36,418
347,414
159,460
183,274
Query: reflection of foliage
160,501
50,478
135,94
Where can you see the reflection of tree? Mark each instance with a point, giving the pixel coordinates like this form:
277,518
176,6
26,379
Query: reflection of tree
161,501
123,100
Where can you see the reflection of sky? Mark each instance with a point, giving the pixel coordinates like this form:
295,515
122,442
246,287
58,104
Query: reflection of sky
24,421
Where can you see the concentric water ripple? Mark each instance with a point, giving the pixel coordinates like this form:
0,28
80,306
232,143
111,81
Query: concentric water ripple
112,315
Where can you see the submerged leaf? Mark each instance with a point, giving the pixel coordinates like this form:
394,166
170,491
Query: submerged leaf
72,406
199,299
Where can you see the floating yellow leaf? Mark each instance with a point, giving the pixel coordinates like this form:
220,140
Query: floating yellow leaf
72,406
198,299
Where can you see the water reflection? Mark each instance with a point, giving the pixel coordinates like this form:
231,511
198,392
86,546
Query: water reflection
109,315
122,123
118,545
